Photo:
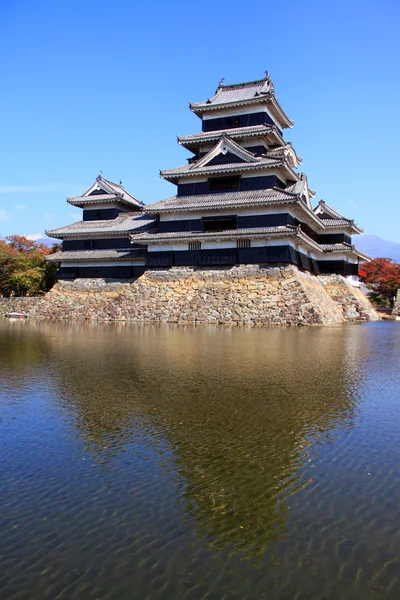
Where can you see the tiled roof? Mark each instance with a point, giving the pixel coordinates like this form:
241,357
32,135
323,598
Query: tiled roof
98,198
335,223
226,200
204,235
188,171
83,255
238,92
337,247
241,94
236,133
333,248
124,223
112,191
285,151
224,146
331,218
324,208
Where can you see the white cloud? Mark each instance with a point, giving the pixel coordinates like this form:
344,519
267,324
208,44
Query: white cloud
76,216
352,203
4,215
48,216
20,206
35,236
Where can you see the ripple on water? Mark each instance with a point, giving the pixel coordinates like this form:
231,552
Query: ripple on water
164,462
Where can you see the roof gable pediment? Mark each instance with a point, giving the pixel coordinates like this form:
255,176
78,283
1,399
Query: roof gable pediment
225,152
102,186
324,211
302,190
105,191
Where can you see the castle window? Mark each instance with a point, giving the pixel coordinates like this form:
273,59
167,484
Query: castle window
219,223
229,121
221,184
243,244
194,246
237,120
87,245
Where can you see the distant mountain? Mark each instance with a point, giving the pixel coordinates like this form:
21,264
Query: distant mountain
37,237
376,246
48,241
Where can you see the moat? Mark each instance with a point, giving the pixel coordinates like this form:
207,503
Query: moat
163,462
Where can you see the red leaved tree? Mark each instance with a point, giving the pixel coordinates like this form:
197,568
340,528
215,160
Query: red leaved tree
382,276
23,267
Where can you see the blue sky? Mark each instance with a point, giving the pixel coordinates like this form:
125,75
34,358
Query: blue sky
90,85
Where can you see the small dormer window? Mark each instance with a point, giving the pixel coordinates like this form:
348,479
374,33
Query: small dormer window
237,121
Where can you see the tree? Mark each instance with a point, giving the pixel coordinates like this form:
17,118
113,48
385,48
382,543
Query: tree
382,276
23,267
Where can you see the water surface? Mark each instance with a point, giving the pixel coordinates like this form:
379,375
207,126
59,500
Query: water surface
146,462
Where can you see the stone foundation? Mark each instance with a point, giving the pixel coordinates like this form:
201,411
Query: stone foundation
244,295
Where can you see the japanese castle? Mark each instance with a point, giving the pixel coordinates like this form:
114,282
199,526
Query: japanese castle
239,200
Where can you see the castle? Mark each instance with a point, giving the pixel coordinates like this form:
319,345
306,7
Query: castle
239,200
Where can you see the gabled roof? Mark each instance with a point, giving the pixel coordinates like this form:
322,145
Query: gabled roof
345,248
203,137
287,151
105,191
327,212
186,171
224,146
300,186
331,218
260,91
301,189
237,92
123,224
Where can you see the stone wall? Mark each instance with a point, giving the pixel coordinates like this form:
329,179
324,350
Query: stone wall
350,300
247,294
28,305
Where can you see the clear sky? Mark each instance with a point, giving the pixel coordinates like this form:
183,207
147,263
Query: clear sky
90,85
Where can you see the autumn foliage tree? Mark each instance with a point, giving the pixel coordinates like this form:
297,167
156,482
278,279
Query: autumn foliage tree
382,277
23,267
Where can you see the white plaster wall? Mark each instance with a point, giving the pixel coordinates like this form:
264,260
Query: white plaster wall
217,245
136,263
244,212
161,247
334,256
